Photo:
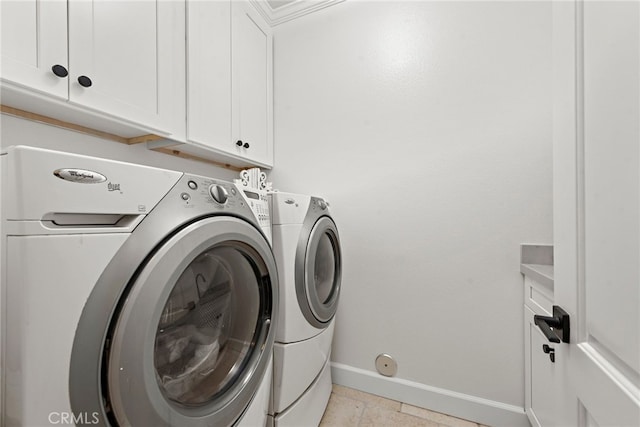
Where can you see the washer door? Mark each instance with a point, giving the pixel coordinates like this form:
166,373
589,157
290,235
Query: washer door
319,272
193,337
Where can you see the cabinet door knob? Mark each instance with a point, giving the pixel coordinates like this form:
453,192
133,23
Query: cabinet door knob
59,71
246,145
239,143
84,81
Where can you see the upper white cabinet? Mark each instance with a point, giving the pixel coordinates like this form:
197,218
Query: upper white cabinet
123,67
131,53
209,73
229,74
122,59
34,39
252,82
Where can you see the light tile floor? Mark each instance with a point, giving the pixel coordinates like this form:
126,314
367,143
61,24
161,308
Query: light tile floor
353,408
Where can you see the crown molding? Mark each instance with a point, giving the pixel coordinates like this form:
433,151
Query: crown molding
290,11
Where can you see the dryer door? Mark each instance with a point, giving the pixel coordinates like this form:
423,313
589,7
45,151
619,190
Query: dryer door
319,272
193,337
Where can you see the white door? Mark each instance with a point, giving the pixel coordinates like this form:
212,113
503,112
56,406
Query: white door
125,59
34,41
251,83
597,210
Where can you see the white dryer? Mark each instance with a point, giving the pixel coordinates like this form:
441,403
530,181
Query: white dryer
306,246
131,295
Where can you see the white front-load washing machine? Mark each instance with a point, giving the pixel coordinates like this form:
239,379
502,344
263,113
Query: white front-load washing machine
306,246
131,296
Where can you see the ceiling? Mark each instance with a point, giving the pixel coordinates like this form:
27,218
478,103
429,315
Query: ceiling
278,11
275,4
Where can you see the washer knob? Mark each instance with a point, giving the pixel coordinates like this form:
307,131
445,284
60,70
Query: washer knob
323,204
219,194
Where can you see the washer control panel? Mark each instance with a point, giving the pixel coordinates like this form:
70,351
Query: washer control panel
210,193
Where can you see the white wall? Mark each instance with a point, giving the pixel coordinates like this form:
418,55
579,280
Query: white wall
428,127
18,131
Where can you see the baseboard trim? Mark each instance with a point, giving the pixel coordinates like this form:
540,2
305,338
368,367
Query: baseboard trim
460,405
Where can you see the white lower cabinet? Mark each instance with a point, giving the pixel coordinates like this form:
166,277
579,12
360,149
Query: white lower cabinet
81,61
539,360
229,89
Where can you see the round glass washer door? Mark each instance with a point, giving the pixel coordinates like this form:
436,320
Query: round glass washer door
319,272
194,335
208,325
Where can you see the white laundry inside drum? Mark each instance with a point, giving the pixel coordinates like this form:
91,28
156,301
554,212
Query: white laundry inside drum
199,342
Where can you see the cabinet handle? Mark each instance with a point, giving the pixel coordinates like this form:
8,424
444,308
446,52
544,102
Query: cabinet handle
84,81
246,145
59,71
239,143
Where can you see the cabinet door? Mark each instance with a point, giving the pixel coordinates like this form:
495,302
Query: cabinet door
539,374
34,39
252,67
209,74
132,52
